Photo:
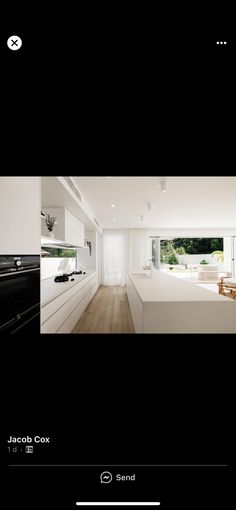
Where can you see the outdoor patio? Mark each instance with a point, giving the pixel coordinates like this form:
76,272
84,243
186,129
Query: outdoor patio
191,274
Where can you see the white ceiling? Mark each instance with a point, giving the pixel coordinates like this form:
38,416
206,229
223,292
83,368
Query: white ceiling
189,202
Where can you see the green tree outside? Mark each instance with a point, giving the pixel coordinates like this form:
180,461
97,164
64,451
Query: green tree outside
196,246
173,251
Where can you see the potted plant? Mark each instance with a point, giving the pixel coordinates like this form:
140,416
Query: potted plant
50,222
219,255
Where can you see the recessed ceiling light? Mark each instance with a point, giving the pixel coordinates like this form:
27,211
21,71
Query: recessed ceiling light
112,205
113,219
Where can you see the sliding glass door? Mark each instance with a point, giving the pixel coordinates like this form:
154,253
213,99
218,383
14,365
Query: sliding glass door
190,252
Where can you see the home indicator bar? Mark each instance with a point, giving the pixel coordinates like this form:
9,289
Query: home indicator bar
117,503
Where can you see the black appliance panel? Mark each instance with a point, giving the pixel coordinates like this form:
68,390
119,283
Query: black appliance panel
20,295
12,263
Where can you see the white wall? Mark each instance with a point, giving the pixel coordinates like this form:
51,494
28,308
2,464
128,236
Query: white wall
53,266
20,222
84,258
228,254
234,252
196,259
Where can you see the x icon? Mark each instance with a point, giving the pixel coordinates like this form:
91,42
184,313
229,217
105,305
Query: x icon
14,42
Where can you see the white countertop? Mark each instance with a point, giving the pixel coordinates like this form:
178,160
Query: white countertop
51,290
163,287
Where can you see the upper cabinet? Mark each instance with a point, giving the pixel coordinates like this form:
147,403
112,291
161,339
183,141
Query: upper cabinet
63,192
19,215
67,228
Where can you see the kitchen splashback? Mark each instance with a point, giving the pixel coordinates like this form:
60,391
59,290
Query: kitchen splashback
53,266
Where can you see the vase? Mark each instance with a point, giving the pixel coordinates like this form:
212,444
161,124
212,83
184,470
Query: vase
51,234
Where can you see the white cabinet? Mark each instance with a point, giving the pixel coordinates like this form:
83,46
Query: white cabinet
62,313
73,318
67,229
19,215
136,306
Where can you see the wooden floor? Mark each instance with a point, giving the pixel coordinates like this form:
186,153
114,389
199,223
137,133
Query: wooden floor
108,312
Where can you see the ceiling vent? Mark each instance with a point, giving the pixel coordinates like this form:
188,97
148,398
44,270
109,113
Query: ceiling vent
97,223
73,187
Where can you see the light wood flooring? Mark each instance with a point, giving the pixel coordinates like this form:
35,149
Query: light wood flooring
107,312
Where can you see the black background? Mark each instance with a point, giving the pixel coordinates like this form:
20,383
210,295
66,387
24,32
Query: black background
117,41
126,79
118,87
157,400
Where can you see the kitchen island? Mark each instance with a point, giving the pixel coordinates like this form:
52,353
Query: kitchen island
165,304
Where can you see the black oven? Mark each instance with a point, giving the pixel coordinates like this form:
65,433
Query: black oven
20,294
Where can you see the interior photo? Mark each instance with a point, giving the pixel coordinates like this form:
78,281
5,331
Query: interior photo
138,255
127,254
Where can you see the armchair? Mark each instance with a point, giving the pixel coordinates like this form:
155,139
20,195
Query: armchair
227,288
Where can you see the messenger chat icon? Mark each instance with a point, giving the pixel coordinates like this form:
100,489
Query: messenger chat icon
106,477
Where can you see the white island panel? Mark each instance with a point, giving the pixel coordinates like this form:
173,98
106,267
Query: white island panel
170,305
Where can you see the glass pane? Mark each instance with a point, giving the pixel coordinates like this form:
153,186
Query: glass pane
59,252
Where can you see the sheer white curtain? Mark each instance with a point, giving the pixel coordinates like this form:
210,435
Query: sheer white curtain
137,249
114,257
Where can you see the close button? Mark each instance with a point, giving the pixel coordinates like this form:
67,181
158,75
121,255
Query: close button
14,42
